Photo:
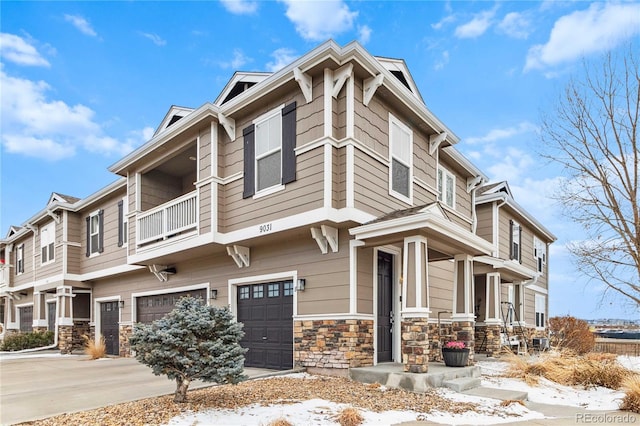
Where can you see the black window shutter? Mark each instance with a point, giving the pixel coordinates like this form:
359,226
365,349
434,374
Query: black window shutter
88,236
520,244
100,231
249,161
511,253
120,223
289,143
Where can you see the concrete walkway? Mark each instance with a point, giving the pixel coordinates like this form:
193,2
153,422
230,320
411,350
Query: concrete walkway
41,385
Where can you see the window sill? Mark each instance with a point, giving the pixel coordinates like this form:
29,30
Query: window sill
401,197
48,263
268,191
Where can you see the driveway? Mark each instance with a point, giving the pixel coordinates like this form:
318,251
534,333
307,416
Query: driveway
37,386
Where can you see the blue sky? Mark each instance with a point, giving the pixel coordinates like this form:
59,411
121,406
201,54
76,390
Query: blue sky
83,83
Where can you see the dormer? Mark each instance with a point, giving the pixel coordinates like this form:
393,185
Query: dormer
399,69
240,82
175,113
61,198
496,188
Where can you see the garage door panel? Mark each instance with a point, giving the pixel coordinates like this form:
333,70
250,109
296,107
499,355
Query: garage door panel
152,308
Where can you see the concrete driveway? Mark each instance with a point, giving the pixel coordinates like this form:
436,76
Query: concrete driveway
37,386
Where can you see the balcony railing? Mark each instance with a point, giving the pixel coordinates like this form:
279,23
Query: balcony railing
168,219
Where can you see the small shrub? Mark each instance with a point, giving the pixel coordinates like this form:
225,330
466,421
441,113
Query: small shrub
21,341
631,400
93,349
571,333
280,422
350,417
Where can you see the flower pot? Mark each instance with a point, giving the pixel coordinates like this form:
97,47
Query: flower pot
455,357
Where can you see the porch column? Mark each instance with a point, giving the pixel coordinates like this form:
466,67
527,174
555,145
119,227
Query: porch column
64,313
463,317
39,315
492,320
518,303
415,305
12,321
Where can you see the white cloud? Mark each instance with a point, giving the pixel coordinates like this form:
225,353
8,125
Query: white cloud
515,25
320,20
155,38
237,61
504,133
15,49
477,26
81,24
35,126
444,60
240,7
444,21
283,57
513,164
601,27
364,34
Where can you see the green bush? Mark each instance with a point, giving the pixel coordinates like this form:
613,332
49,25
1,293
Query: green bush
18,342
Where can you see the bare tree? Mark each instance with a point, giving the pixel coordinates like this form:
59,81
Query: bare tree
593,134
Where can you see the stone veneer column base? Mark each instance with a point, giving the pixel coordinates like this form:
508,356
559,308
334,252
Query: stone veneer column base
415,344
438,336
65,339
465,331
487,339
123,340
333,346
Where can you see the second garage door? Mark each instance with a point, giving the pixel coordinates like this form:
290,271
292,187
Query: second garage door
267,313
151,308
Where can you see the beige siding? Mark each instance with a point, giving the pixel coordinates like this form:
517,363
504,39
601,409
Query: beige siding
440,287
371,122
485,221
75,244
305,194
158,188
112,255
424,165
339,115
205,203
371,186
365,280
30,273
339,177
530,307
204,153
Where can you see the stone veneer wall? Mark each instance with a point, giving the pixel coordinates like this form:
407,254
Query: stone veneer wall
123,340
73,337
39,329
464,331
487,339
415,344
438,335
333,344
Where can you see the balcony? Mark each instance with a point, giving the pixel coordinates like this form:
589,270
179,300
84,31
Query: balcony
168,220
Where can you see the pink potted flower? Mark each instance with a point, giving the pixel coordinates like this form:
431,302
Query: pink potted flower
455,354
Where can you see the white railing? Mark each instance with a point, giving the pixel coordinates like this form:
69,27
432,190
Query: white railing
168,219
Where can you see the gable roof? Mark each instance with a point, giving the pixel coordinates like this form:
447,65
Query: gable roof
56,197
398,67
174,114
494,188
239,82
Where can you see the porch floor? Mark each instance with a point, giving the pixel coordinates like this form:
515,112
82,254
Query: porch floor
438,375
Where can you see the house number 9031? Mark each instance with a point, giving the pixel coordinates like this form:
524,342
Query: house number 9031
265,228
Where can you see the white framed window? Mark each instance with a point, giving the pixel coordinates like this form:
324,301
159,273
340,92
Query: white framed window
20,259
446,187
47,243
95,223
123,222
268,158
540,308
539,253
515,241
401,160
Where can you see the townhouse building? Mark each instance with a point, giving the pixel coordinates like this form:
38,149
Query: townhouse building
325,204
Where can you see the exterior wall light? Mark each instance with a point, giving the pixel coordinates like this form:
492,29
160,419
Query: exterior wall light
214,293
301,284
121,304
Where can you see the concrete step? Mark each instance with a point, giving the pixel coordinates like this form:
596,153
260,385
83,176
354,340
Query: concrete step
462,383
501,394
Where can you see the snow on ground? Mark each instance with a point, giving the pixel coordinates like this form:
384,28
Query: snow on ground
19,355
321,412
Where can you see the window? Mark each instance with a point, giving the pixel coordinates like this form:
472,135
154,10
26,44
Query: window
20,259
273,290
541,302
515,241
95,231
244,293
446,187
288,288
400,157
258,291
539,253
47,243
269,157
123,222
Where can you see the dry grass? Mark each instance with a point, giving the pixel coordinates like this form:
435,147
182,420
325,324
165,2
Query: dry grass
631,400
93,349
508,402
571,333
568,368
350,417
280,422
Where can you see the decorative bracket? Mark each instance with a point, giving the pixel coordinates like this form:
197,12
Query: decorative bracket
339,77
304,81
326,237
370,87
474,182
160,272
229,125
240,255
435,141
54,216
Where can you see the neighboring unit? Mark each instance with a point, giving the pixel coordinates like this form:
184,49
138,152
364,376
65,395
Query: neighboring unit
324,203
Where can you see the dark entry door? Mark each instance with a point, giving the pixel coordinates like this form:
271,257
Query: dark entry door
51,316
266,310
385,307
109,317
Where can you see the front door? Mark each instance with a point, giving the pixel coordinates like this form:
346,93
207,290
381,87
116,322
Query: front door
109,317
385,307
51,316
